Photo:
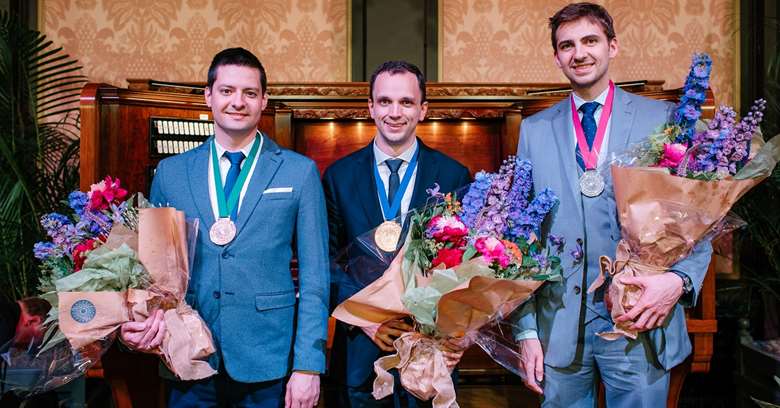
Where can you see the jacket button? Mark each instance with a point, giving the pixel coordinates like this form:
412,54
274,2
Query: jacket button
577,290
216,294
226,255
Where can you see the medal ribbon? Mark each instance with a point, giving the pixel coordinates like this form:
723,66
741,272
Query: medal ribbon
390,211
224,205
591,156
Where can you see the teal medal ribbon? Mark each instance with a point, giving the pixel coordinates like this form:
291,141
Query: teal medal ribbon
225,205
390,211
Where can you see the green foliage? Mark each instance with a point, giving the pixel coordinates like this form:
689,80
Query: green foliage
39,127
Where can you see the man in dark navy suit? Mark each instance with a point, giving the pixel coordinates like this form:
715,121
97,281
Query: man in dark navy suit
377,183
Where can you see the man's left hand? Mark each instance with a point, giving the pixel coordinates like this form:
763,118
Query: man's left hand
660,294
452,349
303,390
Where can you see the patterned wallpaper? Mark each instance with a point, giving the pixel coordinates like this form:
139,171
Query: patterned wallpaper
174,40
508,40
306,40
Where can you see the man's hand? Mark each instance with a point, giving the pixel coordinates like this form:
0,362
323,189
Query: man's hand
659,295
532,364
303,390
388,332
452,349
144,336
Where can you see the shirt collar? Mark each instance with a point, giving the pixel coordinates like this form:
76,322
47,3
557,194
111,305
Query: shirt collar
246,149
601,99
380,156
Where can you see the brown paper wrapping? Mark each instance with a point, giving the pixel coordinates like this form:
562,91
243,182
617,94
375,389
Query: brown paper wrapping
461,311
662,217
161,245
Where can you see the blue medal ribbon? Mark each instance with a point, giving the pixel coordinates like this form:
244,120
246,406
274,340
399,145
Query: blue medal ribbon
393,209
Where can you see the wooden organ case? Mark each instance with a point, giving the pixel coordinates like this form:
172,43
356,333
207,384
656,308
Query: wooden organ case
125,132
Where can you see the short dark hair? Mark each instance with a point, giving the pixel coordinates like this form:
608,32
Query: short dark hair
236,56
36,307
575,11
397,67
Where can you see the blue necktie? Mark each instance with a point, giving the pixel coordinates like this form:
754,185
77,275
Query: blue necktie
235,159
394,181
589,127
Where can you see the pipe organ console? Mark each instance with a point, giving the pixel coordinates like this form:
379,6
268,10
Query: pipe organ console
125,132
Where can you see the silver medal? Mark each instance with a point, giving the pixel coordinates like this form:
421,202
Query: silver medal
223,231
591,183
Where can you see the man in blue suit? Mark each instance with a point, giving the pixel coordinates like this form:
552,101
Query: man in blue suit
562,357
254,201
379,182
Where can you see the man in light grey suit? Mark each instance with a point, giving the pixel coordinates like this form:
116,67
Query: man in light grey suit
562,358
254,201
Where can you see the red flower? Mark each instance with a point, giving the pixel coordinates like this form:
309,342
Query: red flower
450,257
673,155
81,251
447,229
105,193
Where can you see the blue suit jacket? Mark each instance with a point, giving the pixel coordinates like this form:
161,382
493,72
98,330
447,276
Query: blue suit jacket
244,290
353,209
547,140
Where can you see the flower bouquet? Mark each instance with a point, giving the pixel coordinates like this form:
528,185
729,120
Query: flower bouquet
465,264
111,262
675,190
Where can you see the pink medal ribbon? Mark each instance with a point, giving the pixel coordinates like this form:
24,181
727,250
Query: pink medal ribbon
591,156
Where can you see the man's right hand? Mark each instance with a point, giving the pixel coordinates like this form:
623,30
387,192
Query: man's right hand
532,364
144,336
388,332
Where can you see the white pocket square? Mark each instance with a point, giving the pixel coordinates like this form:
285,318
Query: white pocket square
278,190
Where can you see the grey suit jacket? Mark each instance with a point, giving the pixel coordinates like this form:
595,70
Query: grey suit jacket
244,290
555,312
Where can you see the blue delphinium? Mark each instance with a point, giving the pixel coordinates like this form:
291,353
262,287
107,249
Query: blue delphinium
558,242
45,250
475,198
529,220
77,200
521,186
493,219
694,93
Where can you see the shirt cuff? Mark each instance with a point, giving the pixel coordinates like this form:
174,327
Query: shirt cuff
527,335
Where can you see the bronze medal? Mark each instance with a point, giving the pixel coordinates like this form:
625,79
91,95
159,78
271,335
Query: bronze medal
386,236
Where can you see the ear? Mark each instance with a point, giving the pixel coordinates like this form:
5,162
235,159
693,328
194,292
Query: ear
613,48
371,107
264,101
207,96
423,110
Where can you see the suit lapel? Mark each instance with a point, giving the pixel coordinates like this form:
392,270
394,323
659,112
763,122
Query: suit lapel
622,120
427,174
564,141
197,170
365,186
268,163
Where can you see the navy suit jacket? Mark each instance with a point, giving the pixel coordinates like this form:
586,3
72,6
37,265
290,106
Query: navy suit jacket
547,140
244,290
353,209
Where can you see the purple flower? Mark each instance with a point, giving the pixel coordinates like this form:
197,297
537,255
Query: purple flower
46,250
541,260
434,192
577,253
530,219
559,242
492,220
54,224
694,94
691,112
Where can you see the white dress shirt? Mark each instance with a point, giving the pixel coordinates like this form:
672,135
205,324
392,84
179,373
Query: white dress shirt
224,166
601,99
381,157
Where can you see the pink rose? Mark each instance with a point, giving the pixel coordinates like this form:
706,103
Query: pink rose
447,229
673,155
450,257
492,249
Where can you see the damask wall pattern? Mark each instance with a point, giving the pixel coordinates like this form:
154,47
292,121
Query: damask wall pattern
508,40
174,40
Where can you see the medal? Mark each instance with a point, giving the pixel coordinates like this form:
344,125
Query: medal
223,231
386,236
591,183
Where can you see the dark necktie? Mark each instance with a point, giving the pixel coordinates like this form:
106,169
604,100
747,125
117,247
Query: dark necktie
235,159
394,181
589,127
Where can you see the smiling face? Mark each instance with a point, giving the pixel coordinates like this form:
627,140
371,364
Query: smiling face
396,107
583,53
236,100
